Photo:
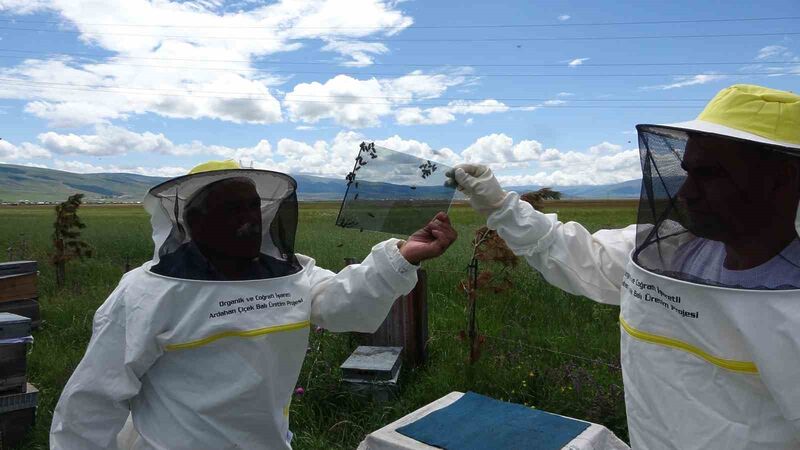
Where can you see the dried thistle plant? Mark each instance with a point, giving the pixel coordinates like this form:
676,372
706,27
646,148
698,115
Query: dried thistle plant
489,247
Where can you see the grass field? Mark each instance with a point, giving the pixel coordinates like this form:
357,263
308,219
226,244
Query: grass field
544,348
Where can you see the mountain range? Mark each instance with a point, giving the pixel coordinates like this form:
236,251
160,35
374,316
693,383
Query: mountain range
23,184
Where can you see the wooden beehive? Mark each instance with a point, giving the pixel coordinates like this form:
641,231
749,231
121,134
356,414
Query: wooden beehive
27,308
406,325
18,281
14,337
17,415
373,371
372,363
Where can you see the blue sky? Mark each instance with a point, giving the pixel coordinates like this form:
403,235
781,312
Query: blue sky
545,92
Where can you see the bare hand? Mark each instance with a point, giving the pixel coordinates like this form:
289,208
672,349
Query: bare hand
431,241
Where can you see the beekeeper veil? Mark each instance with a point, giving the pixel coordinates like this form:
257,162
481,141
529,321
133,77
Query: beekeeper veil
725,177
221,209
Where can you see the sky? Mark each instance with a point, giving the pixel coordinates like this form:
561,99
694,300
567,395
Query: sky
546,93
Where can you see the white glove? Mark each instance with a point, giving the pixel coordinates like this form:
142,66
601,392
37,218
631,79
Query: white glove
479,184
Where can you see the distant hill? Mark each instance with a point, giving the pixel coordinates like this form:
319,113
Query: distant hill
21,183
626,189
33,184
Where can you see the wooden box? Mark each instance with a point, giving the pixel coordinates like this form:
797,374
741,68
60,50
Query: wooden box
372,363
18,286
17,416
26,308
406,325
13,367
18,267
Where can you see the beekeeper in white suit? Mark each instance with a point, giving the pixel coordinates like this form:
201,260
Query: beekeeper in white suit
203,345
707,282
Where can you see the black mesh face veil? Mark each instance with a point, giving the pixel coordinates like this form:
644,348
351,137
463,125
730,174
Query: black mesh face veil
698,200
393,192
241,214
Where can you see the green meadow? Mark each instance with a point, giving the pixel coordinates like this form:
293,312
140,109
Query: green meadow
543,347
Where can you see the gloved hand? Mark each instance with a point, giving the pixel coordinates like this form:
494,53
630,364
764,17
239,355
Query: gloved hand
479,184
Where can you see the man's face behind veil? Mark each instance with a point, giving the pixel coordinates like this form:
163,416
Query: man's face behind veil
231,226
724,194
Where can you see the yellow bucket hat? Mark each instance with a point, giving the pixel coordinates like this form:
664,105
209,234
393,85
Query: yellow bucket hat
752,113
211,166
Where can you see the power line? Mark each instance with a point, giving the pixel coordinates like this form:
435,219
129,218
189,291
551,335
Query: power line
256,60
529,99
399,98
428,40
491,75
191,92
471,26
168,93
257,69
531,75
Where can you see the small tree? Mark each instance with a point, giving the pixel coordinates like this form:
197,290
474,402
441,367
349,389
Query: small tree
537,198
67,237
490,248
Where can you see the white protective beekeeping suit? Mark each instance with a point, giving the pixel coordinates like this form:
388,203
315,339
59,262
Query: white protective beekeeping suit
207,363
710,356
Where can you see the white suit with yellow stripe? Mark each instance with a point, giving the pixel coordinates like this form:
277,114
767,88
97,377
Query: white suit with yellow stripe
710,356
212,365
716,369
201,364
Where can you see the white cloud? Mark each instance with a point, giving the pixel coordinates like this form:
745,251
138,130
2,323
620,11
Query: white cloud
687,81
108,140
361,53
324,158
11,152
69,94
159,61
421,150
111,140
417,116
498,150
774,51
604,147
444,114
563,17
356,103
581,168
335,158
346,100
599,164
577,62
564,94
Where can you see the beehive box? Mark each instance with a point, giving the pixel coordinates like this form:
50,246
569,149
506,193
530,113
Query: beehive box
372,363
13,326
13,367
18,267
14,337
17,416
26,308
18,287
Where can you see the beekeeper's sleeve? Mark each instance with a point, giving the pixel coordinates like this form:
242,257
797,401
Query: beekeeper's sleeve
94,404
359,297
566,254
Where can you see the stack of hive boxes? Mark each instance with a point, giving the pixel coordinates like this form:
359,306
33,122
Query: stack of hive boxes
18,290
19,314
18,398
